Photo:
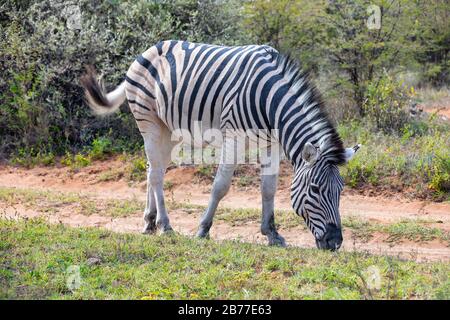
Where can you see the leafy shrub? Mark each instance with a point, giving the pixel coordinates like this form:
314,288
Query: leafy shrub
439,173
137,169
43,53
29,158
101,147
386,105
81,161
418,162
434,163
76,161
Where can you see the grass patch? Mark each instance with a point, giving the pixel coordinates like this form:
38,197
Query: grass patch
29,158
285,219
35,260
405,229
111,175
415,231
48,201
206,172
430,95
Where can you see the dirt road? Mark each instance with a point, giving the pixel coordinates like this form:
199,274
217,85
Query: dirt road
377,210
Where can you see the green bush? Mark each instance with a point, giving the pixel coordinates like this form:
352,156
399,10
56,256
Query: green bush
44,49
137,170
101,147
418,161
434,163
29,158
386,105
81,161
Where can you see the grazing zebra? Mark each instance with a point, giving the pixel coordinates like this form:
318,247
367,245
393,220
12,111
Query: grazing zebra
174,84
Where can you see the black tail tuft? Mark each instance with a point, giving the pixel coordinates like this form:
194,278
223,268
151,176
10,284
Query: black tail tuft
94,89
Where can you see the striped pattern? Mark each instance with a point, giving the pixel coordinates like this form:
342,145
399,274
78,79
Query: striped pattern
320,200
242,88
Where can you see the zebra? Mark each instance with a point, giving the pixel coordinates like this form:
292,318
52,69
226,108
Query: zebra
253,87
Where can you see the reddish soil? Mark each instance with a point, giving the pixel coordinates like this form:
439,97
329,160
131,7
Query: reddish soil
440,107
186,188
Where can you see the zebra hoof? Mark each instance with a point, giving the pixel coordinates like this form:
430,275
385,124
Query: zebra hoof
167,229
202,234
277,241
149,224
149,228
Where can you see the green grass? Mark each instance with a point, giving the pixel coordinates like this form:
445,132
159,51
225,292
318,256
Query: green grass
48,201
405,229
30,158
111,175
429,95
415,231
237,216
35,258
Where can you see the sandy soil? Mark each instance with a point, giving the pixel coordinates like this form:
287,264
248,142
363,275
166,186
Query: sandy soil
377,209
441,107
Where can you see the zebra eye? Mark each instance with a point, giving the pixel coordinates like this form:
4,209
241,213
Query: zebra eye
315,188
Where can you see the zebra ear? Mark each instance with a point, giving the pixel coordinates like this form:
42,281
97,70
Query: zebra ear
350,152
310,153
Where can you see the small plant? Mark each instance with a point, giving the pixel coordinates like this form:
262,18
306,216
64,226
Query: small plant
47,159
137,169
66,160
439,172
100,149
29,158
168,185
111,175
80,161
205,172
76,161
244,181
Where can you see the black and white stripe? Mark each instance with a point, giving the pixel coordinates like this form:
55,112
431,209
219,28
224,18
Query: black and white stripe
241,88
249,87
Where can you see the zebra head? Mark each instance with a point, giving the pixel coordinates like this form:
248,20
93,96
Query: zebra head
315,194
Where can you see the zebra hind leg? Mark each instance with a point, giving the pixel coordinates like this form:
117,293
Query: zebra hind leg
158,149
162,217
150,210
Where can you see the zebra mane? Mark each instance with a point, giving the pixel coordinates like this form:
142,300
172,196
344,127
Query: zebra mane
331,143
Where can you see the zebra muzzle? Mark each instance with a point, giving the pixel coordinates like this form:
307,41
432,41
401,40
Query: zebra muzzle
332,239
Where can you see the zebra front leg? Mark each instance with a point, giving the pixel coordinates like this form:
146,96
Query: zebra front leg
270,165
221,185
268,189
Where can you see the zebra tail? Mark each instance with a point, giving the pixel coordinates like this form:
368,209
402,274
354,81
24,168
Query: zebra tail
100,101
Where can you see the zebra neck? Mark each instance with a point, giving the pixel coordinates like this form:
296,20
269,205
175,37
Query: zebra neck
294,108
305,121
